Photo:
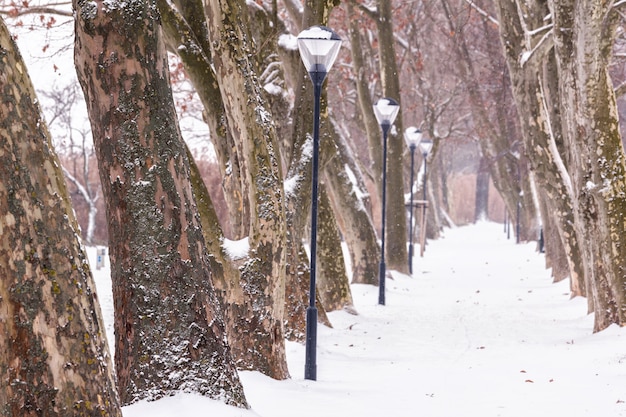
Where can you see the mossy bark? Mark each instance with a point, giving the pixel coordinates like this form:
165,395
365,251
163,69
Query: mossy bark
351,203
332,282
169,328
54,358
584,34
260,317
186,33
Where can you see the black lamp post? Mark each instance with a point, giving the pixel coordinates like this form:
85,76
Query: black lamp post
425,146
386,110
319,47
412,136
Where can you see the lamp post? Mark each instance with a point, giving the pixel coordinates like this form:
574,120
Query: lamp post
319,47
386,110
425,146
412,136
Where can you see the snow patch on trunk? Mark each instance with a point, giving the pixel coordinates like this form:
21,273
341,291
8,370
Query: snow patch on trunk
236,249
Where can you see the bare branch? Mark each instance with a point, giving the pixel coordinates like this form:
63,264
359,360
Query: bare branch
483,12
79,186
619,4
54,9
371,12
544,44
620,90
541,29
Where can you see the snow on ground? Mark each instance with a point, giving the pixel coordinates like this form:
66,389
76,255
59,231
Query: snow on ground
479,330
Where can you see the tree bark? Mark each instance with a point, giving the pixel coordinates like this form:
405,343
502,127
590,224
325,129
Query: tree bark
396,253
263,274
169,328
54,358
350,201
481,202
362,84
332,282
260,347
541,131
584,34
556,258
186,34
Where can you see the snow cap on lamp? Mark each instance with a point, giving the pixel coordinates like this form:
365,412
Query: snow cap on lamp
412,136
386,109
319,47
425,146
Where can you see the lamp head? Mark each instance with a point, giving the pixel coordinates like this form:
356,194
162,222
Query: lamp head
413,137
319,47
425,146
386,109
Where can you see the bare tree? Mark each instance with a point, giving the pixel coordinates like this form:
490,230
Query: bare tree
78,152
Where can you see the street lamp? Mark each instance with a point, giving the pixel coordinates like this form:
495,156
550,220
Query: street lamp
319,47
386,110
413,137
425,146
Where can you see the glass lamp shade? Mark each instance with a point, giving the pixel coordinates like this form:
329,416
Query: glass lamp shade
425,146
412,136
319,47
386,109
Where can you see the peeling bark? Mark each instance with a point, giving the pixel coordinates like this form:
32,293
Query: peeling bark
584,34
332,282
263,273
186,34
54,355
169,329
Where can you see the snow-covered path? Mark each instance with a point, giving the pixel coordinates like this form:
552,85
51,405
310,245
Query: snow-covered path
479,330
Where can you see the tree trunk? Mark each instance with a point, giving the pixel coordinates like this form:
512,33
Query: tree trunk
396,224
261,347
187,35
362,84
556,258
263,274
541,132
350,201
332,282
54,358
169,328
584,34
481,202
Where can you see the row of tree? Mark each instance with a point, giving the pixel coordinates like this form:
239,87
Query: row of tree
188,313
